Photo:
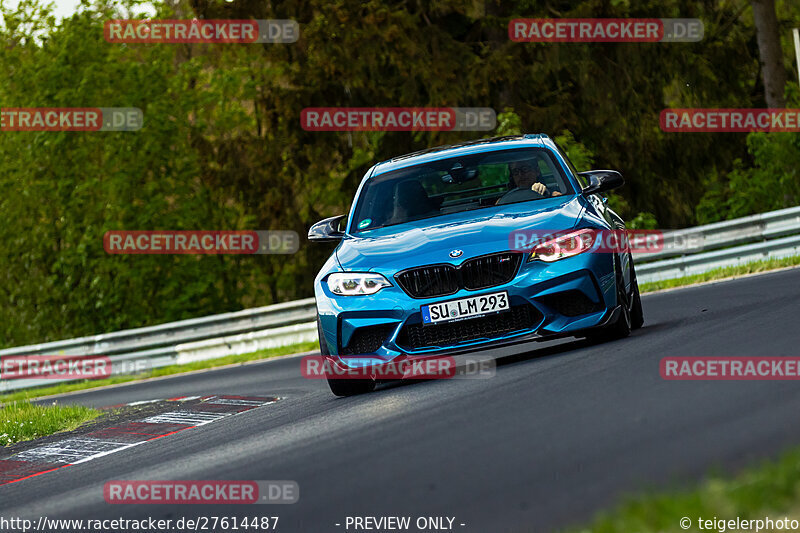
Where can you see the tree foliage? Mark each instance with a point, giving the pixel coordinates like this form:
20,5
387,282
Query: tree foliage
222,146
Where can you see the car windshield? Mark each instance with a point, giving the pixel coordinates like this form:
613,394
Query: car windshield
457,184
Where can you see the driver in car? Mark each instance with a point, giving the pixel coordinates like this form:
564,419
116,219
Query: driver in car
526,175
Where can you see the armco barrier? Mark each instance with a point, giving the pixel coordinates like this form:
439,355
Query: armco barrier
703,262
188,340
733,242
768,235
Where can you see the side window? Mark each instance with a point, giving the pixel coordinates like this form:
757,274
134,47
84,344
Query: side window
583,181
493,174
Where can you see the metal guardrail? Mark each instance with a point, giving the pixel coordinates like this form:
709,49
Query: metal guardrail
699,249
183,342
685,252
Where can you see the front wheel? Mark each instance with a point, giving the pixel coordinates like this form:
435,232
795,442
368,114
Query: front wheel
637,313
625,322
343,387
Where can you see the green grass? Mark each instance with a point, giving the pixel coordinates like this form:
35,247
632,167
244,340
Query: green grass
21,421
157,372
721,273
771,489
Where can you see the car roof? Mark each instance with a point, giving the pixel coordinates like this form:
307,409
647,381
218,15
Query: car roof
528,140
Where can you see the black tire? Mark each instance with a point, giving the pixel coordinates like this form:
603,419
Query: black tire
621,328
637,313
343,387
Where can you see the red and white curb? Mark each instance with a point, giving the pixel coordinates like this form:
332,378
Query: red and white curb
76,450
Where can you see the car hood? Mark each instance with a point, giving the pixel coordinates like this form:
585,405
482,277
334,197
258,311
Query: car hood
474,233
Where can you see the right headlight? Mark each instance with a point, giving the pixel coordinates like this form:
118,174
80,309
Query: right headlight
571,244
356,283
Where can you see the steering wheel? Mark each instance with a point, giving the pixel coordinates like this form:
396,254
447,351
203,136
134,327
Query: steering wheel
518,195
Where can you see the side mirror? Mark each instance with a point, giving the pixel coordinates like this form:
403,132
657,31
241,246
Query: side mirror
327,230
601,181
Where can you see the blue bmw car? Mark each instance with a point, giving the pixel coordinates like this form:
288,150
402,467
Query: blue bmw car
436,257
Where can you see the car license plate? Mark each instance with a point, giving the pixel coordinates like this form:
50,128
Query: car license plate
465,308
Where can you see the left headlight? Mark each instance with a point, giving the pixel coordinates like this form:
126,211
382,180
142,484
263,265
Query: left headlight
356,283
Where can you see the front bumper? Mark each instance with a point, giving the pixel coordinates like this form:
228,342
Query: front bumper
547,300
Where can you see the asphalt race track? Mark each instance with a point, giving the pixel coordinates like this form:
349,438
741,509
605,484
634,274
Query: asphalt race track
563,430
